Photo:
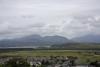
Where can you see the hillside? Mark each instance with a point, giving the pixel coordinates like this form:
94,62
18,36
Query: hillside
33,40
88,39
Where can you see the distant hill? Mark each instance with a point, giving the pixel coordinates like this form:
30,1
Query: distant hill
53,41
56,39
88,39
33,40
78,46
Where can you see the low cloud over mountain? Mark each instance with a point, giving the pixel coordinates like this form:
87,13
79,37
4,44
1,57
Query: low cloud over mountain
88,39
68,18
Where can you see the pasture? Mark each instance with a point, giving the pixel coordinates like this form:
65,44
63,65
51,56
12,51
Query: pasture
84,56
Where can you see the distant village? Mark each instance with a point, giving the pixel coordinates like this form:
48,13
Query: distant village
52,61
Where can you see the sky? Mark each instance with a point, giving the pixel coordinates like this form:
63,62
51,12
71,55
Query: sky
68,18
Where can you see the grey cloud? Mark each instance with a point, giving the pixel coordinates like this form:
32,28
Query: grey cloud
69,18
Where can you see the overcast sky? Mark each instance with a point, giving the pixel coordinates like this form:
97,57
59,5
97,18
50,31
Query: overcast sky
68,18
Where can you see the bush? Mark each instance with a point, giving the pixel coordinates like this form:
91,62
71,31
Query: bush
16,62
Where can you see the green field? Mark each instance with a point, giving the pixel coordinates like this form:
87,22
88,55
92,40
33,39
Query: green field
84,56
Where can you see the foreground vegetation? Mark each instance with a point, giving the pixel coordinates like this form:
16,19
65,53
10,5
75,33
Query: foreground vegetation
84,56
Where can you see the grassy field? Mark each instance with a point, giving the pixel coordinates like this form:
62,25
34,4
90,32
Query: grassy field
84,56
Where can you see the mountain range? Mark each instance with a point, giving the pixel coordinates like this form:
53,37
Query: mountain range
34,40
88,39
37,40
